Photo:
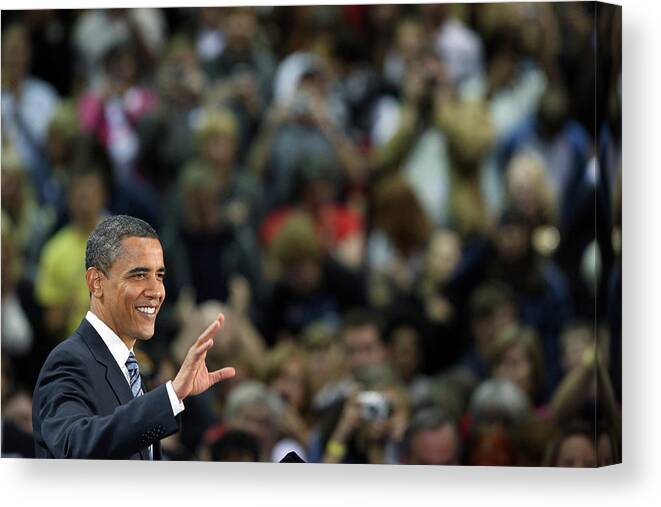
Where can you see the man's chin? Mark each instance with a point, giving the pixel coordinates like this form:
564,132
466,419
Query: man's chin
145,335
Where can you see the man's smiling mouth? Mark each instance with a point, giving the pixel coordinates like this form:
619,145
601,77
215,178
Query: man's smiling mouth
147,310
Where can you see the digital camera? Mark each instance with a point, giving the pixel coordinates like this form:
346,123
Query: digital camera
374,406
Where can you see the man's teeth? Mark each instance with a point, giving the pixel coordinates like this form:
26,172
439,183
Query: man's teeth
147,309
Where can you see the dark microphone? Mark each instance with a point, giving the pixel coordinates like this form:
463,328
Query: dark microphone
292,457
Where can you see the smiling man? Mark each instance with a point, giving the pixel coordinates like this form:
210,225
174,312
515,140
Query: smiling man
89,401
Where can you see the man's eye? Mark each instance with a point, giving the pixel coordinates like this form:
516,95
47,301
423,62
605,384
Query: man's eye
139,276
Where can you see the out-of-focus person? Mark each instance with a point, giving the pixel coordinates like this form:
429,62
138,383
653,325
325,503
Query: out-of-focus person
253,408
60,285
431,439
27,106
308,284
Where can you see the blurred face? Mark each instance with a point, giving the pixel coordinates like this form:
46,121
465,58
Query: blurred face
485,330
512,242
576,342
443,255
406,351
124,67
325,362
129,297
304,277
19,410
182,80
375,431
385,15
210,16
86,200
219,152
240,28
605,450
576,451
515,365
15,55
410,39
290,383
255,419
434,447
522,183
363,347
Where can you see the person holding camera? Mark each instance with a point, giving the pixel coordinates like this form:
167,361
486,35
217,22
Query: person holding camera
372,422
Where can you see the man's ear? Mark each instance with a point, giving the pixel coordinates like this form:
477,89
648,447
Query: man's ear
94,278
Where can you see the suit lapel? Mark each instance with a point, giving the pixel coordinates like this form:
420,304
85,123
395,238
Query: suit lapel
114,375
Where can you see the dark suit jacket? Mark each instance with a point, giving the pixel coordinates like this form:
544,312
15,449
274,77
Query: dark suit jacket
83,406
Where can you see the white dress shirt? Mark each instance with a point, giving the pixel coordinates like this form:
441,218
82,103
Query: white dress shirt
120,352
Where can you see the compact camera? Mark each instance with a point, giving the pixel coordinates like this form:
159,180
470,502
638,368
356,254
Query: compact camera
374,406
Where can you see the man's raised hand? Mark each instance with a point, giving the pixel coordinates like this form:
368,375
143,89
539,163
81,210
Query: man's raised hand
193,376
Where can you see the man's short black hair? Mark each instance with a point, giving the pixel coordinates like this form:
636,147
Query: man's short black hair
105,242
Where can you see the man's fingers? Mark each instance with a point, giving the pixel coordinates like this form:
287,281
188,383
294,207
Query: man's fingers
199,350
213,328
222,374
204,341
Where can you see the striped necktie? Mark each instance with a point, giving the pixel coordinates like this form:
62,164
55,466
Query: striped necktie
134,375
136,385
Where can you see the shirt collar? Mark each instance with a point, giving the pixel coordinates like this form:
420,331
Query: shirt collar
117,347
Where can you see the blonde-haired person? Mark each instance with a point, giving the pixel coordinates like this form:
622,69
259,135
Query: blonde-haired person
216,142
530,190
216,137
470,135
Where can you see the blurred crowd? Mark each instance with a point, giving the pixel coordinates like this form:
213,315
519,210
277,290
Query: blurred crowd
410,216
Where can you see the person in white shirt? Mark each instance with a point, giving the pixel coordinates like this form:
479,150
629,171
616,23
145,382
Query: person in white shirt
89,400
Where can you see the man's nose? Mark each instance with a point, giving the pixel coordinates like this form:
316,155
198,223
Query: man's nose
155,289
